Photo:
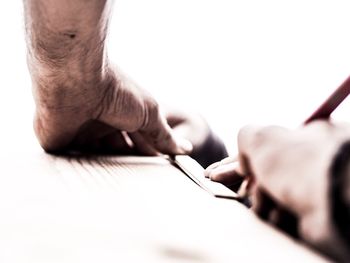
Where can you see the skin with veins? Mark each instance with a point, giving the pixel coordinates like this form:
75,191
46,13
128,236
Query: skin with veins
78,91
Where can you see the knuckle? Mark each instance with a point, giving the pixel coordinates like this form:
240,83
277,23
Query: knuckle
252,136
152,110
151,117
260,135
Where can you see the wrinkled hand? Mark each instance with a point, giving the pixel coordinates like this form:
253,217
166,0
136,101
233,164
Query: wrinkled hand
288,171
111,114
82,101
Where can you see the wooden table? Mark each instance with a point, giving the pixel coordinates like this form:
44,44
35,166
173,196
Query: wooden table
125,209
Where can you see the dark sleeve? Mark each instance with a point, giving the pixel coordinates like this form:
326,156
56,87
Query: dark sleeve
339,184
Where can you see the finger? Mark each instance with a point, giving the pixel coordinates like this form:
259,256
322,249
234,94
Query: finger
226,173
174,116
210,168
142,145
216,164
229,159
135,110
161,137
189,125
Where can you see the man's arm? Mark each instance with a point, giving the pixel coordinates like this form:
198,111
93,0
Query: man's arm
75,86
67,61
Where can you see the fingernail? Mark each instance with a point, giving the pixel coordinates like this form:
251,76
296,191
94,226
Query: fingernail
210,168
185,145
206,173
213,166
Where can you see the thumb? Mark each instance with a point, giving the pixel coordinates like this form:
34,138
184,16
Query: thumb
159,134
129,108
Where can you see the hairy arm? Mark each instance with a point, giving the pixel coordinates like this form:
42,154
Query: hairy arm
76,88
67,61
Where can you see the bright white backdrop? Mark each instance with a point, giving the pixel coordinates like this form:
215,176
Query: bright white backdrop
236,62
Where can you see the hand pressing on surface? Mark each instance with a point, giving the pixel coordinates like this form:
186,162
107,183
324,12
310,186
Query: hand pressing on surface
304,172
82,100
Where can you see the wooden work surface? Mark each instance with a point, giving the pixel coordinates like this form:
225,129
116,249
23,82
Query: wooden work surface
125,209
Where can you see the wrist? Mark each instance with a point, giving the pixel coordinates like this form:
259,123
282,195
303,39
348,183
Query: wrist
59,89
65,100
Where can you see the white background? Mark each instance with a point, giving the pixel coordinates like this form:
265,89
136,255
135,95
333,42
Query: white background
236,62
